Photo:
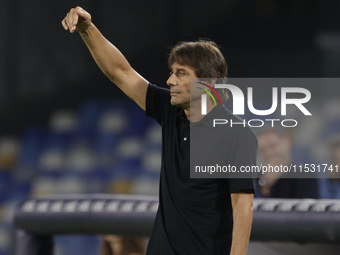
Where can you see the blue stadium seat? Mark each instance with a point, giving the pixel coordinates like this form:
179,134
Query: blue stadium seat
32,143
70,245
88,115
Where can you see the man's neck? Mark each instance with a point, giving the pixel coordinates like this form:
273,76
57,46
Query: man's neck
193,113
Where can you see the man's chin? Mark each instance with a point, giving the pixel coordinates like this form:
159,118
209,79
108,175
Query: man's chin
173,102
179,104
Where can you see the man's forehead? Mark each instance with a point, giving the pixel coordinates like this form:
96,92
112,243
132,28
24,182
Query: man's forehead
176,66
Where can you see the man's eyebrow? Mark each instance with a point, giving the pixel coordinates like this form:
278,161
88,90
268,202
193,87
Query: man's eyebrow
180,70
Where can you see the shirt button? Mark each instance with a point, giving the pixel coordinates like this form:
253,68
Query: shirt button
185,138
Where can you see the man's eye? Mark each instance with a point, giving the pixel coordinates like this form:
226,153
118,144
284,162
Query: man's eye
181,73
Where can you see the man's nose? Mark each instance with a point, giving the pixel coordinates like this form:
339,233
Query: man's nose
172,80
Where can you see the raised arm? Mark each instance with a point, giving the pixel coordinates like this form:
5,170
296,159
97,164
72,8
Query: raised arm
110,60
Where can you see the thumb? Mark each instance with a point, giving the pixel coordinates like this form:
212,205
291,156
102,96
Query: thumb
83,14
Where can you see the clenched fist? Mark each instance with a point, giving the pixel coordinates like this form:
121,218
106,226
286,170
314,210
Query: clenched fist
77,19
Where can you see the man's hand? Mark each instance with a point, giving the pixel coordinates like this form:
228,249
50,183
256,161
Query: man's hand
110,60
77,19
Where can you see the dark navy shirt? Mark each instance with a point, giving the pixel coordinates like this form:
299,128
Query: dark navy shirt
194,215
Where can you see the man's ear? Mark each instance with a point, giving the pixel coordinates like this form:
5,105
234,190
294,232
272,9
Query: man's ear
211,82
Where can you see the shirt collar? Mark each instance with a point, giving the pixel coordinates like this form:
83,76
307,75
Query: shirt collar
217,112
181,114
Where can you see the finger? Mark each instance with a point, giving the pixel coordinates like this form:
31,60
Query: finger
74,21
78,9
64,24
69,21
82,14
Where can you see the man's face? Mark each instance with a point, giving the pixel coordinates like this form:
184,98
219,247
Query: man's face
179,83
273,149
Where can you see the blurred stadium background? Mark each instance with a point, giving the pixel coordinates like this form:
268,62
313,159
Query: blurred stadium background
66,129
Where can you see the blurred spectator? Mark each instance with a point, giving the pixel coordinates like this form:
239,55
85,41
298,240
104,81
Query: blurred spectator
119,245
330,187
9,149
275,149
